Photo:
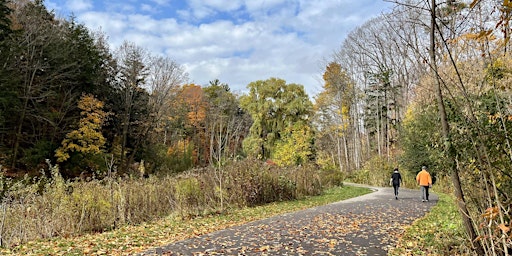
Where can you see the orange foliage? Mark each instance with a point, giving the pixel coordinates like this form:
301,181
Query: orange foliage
193,97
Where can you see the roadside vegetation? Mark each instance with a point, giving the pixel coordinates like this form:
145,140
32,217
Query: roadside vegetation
131,239
53,207
440,232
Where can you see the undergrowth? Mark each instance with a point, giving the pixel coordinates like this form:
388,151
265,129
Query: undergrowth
50,207
133,239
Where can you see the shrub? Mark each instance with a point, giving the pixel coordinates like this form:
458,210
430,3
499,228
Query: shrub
331,177
376,172
189,197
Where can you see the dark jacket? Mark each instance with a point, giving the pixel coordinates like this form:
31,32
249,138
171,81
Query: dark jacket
397,178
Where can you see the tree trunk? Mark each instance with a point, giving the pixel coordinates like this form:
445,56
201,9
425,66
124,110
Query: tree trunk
448,147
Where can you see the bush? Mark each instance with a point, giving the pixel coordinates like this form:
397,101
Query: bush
376,172
189,197
332,177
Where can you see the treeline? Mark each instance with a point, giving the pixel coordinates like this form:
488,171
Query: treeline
68,98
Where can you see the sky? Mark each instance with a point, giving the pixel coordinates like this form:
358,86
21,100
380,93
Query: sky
235,41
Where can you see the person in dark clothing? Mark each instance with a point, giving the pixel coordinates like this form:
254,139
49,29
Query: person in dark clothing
396,180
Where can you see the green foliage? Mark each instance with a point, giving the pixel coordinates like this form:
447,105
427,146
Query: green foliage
5,22
189,196
63,61
227,123
274,106
331,177
421,138
376,172
180,158
33,156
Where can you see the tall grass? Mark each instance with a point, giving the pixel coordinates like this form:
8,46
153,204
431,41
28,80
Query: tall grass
50,207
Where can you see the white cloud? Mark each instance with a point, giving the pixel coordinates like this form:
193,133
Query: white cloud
79,5
264,5
287,39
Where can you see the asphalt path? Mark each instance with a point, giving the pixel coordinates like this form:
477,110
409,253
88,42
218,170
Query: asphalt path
364,225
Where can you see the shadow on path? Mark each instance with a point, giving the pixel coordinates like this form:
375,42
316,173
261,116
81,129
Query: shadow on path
364,225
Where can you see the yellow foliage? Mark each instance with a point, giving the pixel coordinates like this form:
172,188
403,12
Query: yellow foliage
295,147
482,35
88,138
178,148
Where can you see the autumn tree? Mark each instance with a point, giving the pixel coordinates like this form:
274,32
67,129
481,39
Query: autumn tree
164,83
226,127
274,107
87,139
335,118
130,99
226,122
296,146
188,122
462,46
165,78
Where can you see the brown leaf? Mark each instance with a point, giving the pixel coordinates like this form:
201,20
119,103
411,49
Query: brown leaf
504,228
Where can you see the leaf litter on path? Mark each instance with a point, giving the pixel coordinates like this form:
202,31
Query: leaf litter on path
365,227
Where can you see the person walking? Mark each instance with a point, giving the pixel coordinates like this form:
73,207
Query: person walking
424,180
396,180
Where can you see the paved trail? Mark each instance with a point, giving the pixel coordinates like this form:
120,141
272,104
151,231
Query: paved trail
365,225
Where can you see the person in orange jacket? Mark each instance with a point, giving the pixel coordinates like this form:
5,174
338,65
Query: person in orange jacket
424,180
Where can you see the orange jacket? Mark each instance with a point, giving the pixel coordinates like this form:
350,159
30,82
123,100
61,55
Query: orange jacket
423,178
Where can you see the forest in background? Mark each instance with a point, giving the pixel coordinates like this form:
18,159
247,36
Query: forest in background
426,84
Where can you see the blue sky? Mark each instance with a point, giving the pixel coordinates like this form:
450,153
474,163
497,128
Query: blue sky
235,41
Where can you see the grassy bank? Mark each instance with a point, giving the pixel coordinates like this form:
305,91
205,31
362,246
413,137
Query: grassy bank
134,239
440,232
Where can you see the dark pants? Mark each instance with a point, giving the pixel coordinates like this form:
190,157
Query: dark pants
424,192
396,189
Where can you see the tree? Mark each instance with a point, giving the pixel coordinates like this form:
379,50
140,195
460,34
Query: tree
453,47
226,123
193,96
295,146
6,86
88,138
334,115
5,22
50,64
226,127
132,99
164,83
274,106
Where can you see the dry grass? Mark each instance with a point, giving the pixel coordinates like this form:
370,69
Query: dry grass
53,207
132,239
